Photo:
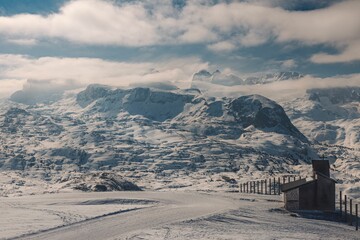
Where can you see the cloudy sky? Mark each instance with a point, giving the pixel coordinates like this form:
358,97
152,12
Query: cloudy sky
74,43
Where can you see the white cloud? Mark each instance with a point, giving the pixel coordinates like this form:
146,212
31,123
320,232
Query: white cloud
288,64
24,42
196,34
83,71
254,38
224,46
351,53
87,21
285,89
18,71
145,23
9,86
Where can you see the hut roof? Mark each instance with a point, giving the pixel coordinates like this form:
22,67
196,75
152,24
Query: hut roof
296,184
323,175
302,182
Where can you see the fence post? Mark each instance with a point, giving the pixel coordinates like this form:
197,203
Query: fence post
351,213
288,179
262,185
265,186
284,180
278,185
247,187
357,217
294,178
274,183
269,186
345,208
258,189
340,204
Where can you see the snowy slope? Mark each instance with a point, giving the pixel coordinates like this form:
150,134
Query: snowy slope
171,139
326,115
148,134
330,116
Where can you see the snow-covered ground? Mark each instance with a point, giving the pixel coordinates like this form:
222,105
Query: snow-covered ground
160,215
24,215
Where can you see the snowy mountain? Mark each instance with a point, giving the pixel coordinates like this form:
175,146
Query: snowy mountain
335,95
330,116
330,119
34,97
323,115
166,138
232,80
149,132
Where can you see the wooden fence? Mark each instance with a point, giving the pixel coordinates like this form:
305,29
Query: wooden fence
270,186
348,213
348,209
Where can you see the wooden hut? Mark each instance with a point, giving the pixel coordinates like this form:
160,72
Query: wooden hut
317,193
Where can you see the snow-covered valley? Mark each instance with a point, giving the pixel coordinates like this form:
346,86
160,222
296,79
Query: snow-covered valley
160,215
171,141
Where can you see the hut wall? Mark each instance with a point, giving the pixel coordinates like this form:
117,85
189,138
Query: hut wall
325,199
307,199
291,199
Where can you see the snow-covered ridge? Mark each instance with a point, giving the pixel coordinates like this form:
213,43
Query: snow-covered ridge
239,113
153,104
161,137
232,80
263,113
108,128
330,116
335,95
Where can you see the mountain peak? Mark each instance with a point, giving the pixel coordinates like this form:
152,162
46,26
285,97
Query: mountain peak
232,80
264,114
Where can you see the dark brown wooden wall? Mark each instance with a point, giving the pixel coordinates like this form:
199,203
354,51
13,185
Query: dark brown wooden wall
325,194
307,199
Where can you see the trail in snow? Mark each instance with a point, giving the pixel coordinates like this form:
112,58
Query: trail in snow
191,215
176,207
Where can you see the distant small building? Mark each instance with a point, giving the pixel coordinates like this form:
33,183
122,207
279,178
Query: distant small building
315,194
